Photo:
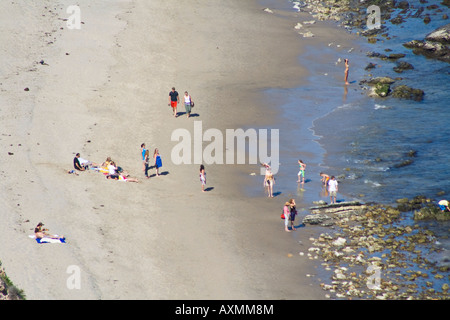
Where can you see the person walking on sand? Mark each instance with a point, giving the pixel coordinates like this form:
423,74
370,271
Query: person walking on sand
301,172
287,214
188,103
174,99
158,161
333,189
203,177
346,71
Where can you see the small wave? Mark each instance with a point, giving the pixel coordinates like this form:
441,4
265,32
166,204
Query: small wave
380,106
374,183
345,106
352,176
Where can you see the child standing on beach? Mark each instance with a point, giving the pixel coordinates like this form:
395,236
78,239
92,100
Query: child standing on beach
333,189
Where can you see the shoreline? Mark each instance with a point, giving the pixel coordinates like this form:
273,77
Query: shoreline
141,241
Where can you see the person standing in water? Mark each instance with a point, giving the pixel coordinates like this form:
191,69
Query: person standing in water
325,178
301,172
346,71
269,181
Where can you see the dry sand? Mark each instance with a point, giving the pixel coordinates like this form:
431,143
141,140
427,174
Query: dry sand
102,91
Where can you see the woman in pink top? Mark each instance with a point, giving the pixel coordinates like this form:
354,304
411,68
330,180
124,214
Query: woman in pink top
287,214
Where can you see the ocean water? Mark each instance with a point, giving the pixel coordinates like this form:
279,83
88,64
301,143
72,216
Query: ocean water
366,140
362,140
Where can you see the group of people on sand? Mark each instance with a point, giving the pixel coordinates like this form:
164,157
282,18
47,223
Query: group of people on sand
174,100
289,210
157,162
109,168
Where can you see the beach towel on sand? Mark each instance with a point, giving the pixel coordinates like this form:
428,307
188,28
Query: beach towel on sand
48,240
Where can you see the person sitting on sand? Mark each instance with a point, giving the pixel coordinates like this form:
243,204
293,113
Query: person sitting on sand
41,232
86,163
77,165
107,162
112,170
443,205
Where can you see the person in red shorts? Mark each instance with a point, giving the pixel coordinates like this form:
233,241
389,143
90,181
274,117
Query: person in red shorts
174,99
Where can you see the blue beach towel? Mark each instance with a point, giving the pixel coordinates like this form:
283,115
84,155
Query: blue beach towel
48,240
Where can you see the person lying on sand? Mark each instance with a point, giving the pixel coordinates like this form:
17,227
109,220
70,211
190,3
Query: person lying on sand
121,177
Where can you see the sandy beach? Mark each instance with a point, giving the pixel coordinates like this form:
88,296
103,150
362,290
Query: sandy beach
102,90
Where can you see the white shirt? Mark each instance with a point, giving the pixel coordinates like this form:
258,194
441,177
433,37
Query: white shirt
332,185
112,169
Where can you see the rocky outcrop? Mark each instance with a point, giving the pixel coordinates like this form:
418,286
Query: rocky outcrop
370,237
405,92
381,87
435,45
402,66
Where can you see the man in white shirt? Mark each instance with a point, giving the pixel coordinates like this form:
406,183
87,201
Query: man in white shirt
333,189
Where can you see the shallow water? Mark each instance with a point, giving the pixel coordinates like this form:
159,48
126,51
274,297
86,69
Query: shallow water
364,141
338,129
